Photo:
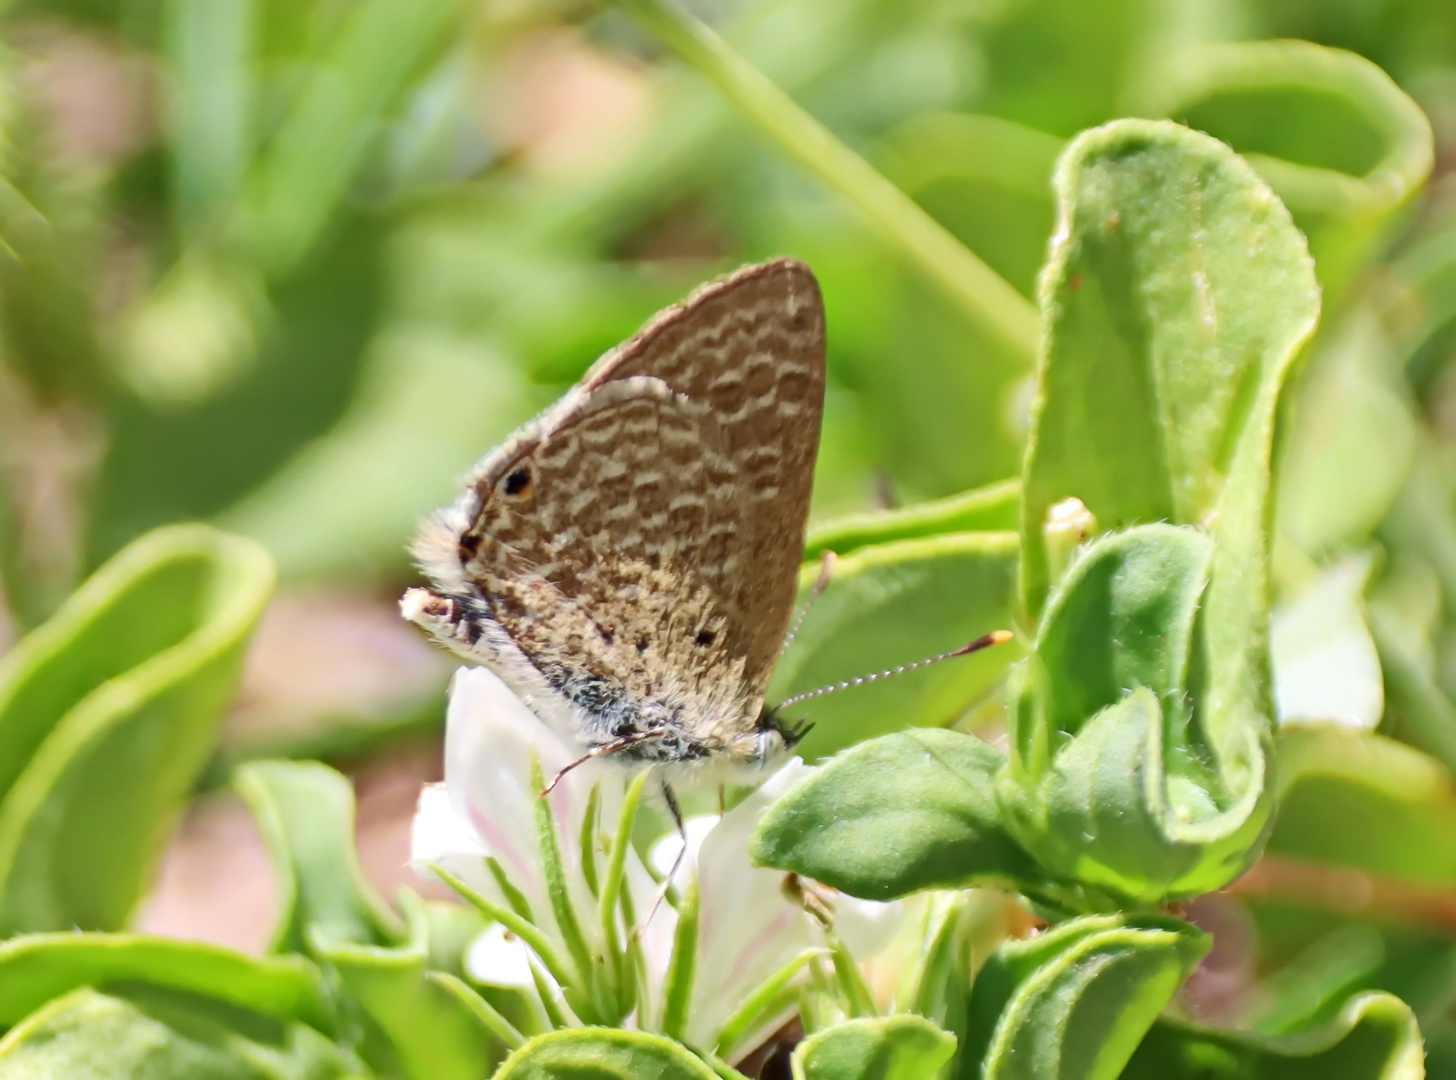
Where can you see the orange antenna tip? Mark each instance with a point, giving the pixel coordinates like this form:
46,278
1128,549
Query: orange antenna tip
985,641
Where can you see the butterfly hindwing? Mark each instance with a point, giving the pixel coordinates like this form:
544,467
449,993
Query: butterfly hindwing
749,349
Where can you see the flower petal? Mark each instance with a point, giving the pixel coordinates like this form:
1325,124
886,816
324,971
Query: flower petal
440,835
748,926
499,958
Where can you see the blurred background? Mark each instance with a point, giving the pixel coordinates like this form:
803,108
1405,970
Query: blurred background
292,267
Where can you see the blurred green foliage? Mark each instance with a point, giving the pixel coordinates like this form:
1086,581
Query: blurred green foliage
292,267
337,251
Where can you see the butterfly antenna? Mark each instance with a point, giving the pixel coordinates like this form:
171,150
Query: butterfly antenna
826,573
985,641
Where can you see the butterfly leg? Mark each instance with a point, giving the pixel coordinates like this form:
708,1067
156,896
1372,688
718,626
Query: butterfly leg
814,902
826,573
602,751
670,797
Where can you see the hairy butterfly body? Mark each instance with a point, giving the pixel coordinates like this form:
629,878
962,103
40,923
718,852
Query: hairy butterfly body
626,562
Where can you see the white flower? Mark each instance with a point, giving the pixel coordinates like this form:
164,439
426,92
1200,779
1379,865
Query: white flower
486,807
749,927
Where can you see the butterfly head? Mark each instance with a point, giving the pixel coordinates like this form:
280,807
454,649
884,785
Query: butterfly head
773,736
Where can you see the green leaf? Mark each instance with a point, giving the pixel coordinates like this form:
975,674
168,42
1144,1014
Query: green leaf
1177,294
893,604
892,1048
1176,297
419,1027
433,1030
1374,1037
909,811
1122,618
1351,438
305,812
303,174
108,713
1122,804
155,1036
993,508
1425,716
1076,1001
602,1054
38,967
1360,800
1332,133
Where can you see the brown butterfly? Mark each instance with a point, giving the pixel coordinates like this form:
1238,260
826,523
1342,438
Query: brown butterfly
627,561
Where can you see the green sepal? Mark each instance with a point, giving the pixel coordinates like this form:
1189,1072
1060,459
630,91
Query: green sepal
900,1047
603,1054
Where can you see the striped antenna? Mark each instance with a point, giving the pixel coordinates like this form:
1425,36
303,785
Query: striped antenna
985,641
826,572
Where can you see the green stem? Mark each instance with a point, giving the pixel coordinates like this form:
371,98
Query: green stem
856,993
557,888
611,888
755,1008
484,1011
983,295
682,968
535,940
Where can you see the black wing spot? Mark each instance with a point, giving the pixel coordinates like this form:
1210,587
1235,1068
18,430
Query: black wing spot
609,633
642,645
705,638
519,481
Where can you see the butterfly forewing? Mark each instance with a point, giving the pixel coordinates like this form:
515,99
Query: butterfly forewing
750,351
608,564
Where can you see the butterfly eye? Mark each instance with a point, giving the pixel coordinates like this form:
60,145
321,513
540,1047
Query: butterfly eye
518,483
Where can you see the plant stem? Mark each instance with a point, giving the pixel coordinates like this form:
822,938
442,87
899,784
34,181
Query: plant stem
983,295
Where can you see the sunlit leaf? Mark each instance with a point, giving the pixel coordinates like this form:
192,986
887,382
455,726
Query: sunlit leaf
1177,296
35,968
903,812
1374,1037
107,715
892,604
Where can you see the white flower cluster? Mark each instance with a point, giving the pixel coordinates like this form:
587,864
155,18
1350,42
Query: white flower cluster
482,826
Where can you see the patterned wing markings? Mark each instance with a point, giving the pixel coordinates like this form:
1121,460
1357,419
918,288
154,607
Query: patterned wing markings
634,549
612,563
748,351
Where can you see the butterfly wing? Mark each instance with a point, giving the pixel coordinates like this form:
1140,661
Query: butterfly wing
642,537
749,352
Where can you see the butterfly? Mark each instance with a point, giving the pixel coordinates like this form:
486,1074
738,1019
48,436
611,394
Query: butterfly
627,561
